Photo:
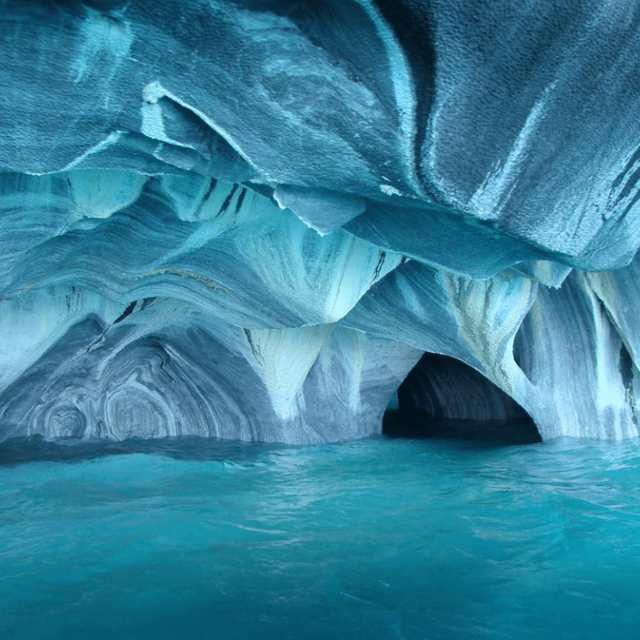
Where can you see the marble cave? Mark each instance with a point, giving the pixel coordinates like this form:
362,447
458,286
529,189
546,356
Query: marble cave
252,219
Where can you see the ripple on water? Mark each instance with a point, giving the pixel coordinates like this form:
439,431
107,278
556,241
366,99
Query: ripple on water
376,538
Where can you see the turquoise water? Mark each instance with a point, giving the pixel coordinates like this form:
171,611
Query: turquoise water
379,538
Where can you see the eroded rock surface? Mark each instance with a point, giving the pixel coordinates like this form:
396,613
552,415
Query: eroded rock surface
250,218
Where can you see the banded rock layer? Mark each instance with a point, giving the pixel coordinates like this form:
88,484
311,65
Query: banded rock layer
250,218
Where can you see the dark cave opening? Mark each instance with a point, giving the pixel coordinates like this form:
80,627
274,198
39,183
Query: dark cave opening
446,399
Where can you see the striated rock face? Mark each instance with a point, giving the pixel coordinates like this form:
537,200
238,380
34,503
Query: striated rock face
250,218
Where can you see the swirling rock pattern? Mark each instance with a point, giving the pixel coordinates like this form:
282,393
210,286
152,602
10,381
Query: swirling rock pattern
250,218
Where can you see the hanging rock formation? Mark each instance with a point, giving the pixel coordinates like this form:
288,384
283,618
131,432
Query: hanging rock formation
250,218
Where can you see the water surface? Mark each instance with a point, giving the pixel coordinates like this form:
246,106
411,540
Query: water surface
379,538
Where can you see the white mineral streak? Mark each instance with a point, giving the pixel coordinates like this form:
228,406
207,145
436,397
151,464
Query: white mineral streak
488,200
102,36
111,139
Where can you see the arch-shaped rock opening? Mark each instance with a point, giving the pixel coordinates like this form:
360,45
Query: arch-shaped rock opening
445,398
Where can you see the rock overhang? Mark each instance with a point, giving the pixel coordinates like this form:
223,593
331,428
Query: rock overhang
315,194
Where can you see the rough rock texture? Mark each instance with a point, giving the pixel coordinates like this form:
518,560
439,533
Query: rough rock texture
250,218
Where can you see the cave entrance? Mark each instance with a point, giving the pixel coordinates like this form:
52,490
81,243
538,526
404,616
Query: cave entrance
447,399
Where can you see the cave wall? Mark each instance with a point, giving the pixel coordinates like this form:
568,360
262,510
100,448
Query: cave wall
250,218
